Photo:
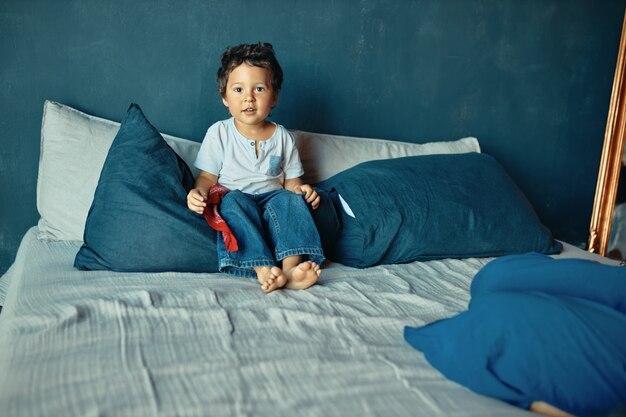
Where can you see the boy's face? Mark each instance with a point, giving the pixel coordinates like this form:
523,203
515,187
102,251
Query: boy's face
249,95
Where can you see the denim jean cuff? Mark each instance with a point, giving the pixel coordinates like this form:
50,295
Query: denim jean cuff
243,268
313,254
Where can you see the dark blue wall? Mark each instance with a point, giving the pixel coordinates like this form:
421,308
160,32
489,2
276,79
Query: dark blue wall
530,78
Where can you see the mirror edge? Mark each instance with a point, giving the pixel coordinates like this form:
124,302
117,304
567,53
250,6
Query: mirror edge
611,160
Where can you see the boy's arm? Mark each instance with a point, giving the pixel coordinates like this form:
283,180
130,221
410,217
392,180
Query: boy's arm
196,199
296,186
292,183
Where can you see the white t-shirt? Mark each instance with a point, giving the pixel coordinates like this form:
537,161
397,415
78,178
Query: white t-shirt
232,157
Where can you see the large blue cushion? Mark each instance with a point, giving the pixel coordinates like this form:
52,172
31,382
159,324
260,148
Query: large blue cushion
580,278
430,207
139,219
528,341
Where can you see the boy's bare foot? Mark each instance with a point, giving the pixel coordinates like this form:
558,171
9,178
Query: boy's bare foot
271,278
302,275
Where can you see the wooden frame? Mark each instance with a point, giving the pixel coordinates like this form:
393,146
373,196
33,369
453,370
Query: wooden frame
611,160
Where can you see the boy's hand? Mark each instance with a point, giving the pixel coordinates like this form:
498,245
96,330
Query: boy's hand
310,195
196,200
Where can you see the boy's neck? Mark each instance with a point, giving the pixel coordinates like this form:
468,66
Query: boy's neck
262,131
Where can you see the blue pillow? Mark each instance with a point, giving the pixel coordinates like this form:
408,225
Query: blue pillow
537,329
525,347
139,220
430,207
580,278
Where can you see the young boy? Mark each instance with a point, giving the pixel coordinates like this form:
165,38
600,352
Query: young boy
266,207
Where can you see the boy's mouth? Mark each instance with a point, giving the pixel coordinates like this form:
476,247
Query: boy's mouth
249,110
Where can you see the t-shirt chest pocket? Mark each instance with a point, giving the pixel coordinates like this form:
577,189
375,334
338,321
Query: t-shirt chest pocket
275,163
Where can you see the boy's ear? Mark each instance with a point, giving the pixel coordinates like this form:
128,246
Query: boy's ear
225,102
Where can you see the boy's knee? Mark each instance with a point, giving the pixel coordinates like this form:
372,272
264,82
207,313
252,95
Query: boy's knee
289,197
234,198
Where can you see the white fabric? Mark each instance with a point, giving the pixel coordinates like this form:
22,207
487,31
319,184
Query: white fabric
74,146
76,343
326,155
226,153
571,251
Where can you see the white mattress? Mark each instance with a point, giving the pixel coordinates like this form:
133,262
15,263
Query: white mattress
75,343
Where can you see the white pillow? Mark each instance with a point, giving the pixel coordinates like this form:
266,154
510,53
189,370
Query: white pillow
74,146
326,155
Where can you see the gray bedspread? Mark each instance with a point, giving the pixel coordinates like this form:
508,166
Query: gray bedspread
75,343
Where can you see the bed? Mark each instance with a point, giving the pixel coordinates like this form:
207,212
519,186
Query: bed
102,342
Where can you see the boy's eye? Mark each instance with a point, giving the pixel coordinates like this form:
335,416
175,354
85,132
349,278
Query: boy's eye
237,89
260,89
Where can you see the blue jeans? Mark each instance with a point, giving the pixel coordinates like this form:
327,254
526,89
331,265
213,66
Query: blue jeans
268,227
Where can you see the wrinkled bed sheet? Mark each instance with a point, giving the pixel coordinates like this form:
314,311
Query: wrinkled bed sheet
76,343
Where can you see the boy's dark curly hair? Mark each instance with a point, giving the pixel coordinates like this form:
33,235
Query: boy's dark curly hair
257,54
